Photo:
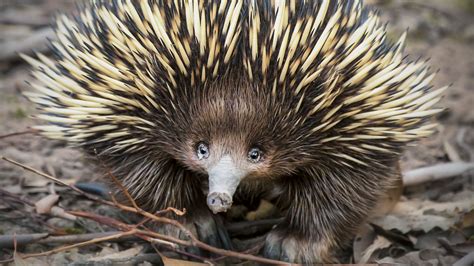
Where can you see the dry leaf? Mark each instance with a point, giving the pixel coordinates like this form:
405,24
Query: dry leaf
364,238
435,172
45,204
389,200
35,182
379,243
60,212
175,262
14,189
468,219
121,255
415,215
18,260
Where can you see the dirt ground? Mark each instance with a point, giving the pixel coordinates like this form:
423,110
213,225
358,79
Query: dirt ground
433,224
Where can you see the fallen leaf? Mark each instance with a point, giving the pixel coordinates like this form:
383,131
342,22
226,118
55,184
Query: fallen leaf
379,243
468,219
175,262
45,204
121,255
364,238
407,223
416,215
389,200
35,182
60,212
15,189
18,260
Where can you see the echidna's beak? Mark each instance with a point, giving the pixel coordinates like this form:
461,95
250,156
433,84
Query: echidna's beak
224,178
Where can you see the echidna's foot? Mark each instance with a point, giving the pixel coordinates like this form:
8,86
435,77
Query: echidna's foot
207,227
284,246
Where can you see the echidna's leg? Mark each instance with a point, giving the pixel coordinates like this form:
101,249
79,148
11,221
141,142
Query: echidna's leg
163,183
323,213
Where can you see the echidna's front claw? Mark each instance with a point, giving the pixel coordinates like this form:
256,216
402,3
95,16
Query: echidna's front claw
207,227
286,246
275,248
210,229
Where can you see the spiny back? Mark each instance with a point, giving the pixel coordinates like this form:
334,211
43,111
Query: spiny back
124,69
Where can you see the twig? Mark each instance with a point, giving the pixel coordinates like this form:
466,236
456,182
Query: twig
69,239
460,140
167,210
38,40
248,251
8,241
182,252
252,227
16,198
175,248
58,181
85,243
193,240
466,260
30,131
435,172
123,189
446,245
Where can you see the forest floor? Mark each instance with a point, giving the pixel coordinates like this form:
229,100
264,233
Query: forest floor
432,224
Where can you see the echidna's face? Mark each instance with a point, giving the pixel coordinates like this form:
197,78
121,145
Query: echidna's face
227,160
232,136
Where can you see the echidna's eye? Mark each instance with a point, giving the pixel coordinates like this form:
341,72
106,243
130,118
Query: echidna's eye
202,151
255,155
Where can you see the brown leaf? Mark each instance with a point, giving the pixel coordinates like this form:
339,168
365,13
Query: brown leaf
122,255
18,260
468,219
416,215
364,238
175,262
45,204
379,243
60,212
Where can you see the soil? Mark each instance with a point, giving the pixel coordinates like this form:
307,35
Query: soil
440,30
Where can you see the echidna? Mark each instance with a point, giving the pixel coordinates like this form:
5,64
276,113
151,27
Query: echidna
188,102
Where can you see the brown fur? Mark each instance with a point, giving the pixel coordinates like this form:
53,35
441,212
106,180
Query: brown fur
324,203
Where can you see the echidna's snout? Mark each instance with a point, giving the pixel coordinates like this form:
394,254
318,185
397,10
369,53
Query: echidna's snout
219,201
224,177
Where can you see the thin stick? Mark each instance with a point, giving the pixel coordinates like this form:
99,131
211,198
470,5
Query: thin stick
248,251
435,172
124,190
6,241
58,181
85,243
194,241
30,131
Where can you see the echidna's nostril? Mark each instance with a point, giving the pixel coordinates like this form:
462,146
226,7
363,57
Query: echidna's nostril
213,201
219,202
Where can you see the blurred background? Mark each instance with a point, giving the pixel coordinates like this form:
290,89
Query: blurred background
438,29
